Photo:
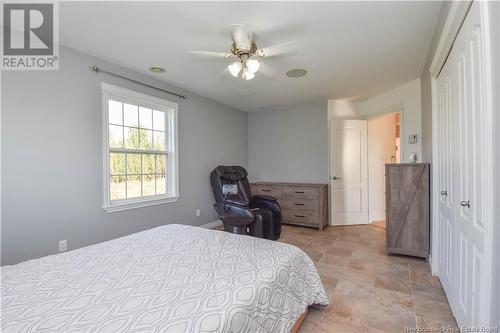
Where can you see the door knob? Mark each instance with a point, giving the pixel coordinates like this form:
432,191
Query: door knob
335,178
465,203
444,193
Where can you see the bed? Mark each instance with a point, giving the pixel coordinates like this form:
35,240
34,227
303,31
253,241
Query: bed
173,278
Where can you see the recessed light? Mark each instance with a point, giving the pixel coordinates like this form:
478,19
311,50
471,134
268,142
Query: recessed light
296,72
157,69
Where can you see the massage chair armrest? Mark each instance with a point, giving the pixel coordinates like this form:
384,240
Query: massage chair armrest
236,202
266,202
232,209
260,197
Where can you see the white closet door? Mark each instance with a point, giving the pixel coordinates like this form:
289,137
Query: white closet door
446,200
463,139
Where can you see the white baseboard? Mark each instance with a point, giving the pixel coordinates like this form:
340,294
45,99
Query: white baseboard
212,224
377,217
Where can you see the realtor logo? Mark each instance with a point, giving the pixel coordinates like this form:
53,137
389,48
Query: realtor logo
30,36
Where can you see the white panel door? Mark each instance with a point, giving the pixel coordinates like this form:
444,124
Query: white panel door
349,172
463,93
445,178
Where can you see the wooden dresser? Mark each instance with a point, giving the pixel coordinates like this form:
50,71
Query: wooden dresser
301,204
407,209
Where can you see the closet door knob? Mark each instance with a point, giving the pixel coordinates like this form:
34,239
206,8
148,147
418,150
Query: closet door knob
444,193
465,204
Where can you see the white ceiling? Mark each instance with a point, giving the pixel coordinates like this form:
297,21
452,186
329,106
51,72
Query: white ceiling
350,49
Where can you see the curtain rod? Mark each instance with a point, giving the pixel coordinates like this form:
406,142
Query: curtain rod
97,70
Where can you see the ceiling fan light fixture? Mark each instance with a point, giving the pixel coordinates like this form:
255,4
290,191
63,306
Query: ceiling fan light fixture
235,68
252,65
247,75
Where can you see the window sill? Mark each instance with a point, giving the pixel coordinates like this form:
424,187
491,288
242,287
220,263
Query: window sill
137,204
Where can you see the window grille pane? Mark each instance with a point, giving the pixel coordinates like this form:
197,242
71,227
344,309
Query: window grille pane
161,161
115,136
148,185
117,187
161,184
115,113
133,186
145,118
159,140
131,115
133,164
145,139
131,138
158,120
117,164
148,163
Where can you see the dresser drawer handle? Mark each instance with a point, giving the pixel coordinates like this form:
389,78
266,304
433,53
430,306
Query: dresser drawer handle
265,190
299,204
299,215
302,192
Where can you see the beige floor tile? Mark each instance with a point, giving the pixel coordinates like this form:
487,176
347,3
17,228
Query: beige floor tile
430,292
331,324
335,260
431,325
352,304
389,320
336,250
391,283
424,277
431,309
392,300
345,273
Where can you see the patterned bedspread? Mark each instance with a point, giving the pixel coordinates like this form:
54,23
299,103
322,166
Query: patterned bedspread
173,278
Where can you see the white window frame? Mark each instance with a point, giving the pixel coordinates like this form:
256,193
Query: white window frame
171,110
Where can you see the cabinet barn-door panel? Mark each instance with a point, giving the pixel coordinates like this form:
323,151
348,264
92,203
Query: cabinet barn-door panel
407,191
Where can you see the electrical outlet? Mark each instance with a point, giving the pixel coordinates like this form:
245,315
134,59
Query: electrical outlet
198,212
63,245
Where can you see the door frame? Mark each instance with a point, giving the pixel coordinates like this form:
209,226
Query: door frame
331,119
399,108
456,16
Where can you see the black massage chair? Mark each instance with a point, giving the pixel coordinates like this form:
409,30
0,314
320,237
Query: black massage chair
262,212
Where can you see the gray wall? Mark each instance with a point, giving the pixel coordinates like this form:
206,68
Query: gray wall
425,86
289,145
52,158
426,97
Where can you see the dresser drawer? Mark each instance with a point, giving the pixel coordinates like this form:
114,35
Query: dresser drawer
271,190
304,192
297,203
301,204
301,216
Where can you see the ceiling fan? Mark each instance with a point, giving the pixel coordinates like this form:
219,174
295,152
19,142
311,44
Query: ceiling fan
244,54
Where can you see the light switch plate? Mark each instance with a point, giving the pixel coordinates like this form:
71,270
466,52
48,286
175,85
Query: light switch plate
412,139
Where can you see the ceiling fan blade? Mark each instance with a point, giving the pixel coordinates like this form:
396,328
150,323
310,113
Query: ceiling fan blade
277,49
223,55
242,37
266,70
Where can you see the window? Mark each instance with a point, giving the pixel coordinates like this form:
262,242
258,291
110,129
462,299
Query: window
140,149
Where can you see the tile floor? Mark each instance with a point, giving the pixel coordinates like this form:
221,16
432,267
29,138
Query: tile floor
368,291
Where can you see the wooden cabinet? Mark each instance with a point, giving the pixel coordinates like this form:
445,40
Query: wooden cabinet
407,209
301,204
